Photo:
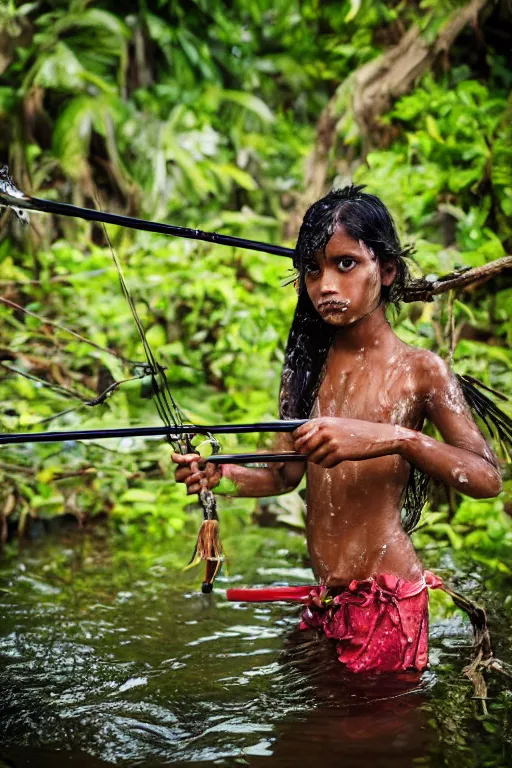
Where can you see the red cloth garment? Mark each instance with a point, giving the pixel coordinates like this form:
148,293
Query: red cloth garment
380,624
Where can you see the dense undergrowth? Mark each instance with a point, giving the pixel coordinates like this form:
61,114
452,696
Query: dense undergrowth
203,114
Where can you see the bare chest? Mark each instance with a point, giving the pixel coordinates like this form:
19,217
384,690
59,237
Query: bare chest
385,394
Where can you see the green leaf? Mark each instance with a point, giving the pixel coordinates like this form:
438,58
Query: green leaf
72,135
59,69
138,494
355,6
242,178
250,102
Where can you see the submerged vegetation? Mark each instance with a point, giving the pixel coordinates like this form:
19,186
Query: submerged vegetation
233,117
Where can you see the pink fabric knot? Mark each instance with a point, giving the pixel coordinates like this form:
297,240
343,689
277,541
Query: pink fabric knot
432,581
379,623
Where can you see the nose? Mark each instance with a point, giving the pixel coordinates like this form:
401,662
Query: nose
328,283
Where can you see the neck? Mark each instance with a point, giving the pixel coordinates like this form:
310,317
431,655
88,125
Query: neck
363,333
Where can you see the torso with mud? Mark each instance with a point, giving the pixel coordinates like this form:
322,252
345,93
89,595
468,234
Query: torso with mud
354,527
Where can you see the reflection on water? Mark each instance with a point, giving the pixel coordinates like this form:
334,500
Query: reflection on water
113,657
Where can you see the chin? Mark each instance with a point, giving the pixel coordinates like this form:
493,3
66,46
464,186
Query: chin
337,319
335,323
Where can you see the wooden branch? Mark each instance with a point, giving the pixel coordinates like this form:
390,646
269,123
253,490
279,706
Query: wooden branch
317,167
425,290
6,465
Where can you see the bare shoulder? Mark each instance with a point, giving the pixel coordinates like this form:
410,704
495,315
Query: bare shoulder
432,375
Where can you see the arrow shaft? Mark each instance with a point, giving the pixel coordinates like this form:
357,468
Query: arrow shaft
186,429
254,458
64,209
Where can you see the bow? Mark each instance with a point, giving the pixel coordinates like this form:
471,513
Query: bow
208,546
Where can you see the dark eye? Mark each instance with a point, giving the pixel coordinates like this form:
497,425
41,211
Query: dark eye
346,264
311,269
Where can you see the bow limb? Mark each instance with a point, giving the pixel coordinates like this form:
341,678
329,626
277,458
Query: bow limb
208,545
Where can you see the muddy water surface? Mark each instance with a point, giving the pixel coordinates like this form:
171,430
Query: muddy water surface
109,655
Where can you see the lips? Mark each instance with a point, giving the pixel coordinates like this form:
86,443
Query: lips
340,306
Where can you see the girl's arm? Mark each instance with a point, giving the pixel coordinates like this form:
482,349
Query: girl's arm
463,461
236,480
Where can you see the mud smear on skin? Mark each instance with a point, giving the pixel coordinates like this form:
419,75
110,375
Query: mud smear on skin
352,504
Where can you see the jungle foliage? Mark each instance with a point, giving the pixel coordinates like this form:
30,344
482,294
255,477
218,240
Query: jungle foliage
204,113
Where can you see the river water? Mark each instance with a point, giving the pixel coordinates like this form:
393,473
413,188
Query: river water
110,655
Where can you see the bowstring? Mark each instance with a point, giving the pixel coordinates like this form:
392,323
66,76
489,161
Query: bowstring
172,416
67,393
140,369
46,321
166,405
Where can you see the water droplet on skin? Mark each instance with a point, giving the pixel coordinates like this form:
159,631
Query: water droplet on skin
459,475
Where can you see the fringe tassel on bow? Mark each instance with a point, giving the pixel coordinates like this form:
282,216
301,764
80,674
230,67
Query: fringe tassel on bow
208,545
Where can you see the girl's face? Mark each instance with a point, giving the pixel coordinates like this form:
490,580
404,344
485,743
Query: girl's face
345,281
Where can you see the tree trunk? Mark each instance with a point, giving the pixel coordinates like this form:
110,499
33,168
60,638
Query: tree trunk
368,93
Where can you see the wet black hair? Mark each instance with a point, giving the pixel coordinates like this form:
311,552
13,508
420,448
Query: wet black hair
365,218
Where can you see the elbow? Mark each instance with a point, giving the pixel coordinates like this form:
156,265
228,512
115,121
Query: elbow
491,486
496,486
287,487
289,480
288,484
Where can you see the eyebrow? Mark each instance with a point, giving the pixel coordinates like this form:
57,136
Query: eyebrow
342,254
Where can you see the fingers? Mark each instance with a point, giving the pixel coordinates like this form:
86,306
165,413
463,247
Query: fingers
181,474
321,455
196,482
317,443
309,441
184,458
329,461
187,477
304,429
194,476
188,471
211,471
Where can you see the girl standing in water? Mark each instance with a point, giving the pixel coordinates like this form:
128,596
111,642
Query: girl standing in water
367,395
